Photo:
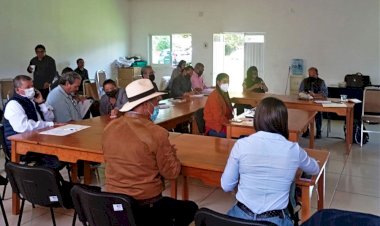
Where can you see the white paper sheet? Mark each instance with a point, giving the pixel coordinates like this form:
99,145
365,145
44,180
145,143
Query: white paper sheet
64,130
322,101
84,106
354,100
334,105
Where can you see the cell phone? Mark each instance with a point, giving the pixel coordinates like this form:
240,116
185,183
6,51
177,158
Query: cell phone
305,176
36,93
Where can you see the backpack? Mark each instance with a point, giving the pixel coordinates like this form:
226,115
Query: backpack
356,132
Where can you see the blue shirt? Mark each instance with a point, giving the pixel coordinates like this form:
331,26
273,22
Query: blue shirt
65,107
263,166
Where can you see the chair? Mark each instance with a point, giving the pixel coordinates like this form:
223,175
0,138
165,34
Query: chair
6,157
90,90
334,217
207,217
40,186
6,89
371,110
97,208
100,77
198,115
4,182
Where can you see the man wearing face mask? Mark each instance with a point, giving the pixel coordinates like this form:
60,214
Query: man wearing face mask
139,156
218,109
113,100
316,87
27,111
148,73
181,86
197,82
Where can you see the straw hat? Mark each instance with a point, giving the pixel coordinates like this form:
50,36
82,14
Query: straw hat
138,92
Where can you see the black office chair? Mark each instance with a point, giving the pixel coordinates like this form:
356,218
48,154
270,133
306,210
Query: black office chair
4,182
40,186
334,217
198,115
207,217
6,157
97,208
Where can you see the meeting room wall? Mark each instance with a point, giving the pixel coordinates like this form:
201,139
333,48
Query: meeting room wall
337,36
95,30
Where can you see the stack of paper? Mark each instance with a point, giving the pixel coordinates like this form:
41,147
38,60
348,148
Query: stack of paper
334,105
64,130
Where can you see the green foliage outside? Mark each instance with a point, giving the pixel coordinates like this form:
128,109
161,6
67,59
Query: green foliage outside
232,42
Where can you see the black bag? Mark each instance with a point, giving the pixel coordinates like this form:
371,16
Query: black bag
356,133
354,80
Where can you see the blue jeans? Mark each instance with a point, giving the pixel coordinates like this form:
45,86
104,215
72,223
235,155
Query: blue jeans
213,133
235,211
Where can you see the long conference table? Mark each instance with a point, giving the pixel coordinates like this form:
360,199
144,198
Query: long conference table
292,102
298,122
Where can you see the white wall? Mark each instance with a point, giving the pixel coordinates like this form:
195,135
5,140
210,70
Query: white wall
336,36
96,30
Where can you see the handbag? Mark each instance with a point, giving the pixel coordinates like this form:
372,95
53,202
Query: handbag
354,80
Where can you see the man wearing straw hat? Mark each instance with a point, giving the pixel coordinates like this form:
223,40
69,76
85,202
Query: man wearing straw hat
139,156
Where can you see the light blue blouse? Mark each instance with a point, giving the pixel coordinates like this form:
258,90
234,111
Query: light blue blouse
263,167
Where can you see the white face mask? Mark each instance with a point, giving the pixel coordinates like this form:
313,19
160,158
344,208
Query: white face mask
29,93
224,87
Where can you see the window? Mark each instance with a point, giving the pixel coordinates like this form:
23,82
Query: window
170,49
234,53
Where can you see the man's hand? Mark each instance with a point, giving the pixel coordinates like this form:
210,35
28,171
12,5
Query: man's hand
114,113
46,85
39,99
197,90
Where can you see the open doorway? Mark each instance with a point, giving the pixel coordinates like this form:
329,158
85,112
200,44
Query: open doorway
234,53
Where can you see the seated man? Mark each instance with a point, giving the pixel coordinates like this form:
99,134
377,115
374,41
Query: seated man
182,84
27,111
139,156
317,88
113,100
148,73
197,82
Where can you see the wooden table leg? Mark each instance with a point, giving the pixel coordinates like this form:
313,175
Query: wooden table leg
321,190
349,129
173,188
311,134
185,189
306,207
74,173
87,172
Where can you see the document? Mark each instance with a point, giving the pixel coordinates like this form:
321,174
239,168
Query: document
354,100
322,101
64,130
84,106
334,105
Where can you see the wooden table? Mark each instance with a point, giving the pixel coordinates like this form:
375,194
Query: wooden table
207,162
293,102
87,144
298,122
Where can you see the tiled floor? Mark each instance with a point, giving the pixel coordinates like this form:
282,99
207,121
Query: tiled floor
352,183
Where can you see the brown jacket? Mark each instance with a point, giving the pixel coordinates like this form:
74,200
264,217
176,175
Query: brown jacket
137,154
216,111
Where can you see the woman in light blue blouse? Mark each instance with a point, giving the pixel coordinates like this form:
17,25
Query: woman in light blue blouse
263,166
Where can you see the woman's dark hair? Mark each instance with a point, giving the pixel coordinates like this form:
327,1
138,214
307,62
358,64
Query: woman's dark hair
182,62
272,116
221,76
249,79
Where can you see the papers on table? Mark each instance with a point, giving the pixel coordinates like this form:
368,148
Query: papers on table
84,106
334,105
322,101
64,130
354,100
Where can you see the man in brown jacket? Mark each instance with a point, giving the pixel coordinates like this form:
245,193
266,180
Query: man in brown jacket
138,156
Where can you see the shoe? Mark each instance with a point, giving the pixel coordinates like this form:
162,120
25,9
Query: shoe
318,136
305,134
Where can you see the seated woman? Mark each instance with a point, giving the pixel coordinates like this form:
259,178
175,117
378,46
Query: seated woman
253,82
113,100
218,108
263,166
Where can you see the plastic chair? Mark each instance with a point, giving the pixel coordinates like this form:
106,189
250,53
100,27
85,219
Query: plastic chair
334,217
371,110
97,208
207,217
40,186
